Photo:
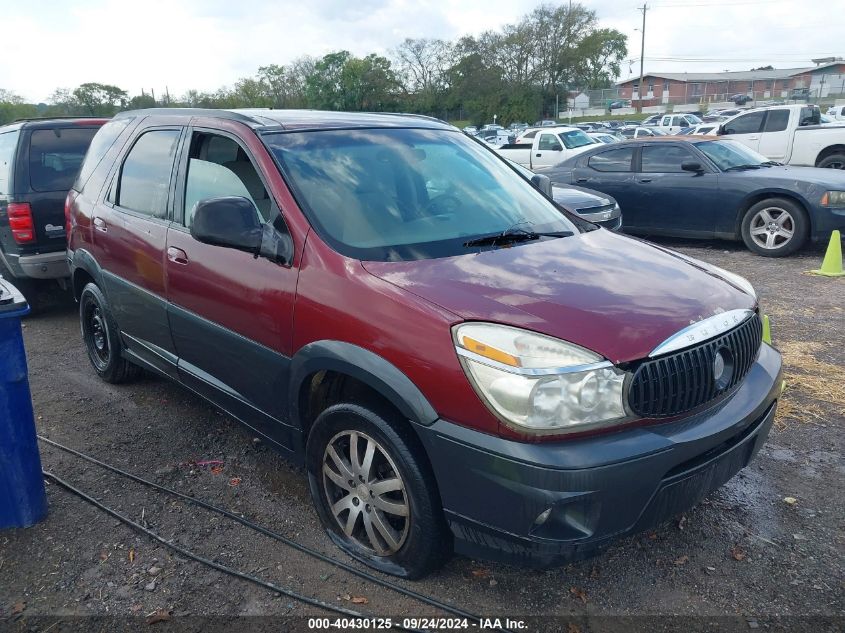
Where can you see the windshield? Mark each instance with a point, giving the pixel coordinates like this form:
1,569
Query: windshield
694,119
728,154
403,194
575,138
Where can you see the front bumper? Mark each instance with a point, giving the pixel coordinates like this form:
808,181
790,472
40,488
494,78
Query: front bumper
595,489
827,220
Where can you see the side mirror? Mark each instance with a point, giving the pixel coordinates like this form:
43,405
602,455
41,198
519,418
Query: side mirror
692,166
231,222
543,183
721,130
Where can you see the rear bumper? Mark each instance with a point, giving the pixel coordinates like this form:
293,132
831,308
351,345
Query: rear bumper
40,266
595,489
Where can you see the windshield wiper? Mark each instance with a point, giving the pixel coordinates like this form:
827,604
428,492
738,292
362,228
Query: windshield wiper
772,163
512,236
741,167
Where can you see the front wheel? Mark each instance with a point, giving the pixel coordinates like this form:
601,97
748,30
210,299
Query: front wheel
374,491
775,227
102,339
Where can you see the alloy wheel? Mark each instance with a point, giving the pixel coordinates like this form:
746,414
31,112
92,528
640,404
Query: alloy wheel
365,493
772,227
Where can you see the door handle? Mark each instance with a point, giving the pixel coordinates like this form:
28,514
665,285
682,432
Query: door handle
538,155
177,255
645,180
581,180
753,138
100,225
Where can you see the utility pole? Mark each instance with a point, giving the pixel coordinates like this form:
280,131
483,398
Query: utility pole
643,8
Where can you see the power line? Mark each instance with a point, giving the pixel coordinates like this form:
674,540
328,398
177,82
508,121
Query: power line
644,9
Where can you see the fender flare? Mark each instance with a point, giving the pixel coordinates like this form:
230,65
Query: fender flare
361,364
81,259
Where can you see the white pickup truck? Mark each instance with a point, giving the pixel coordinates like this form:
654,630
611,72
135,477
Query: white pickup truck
549,146
790,134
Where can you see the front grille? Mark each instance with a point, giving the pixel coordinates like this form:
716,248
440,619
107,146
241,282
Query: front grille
684,380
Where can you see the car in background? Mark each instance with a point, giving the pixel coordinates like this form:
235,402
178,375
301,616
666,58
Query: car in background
457,363
704,128
471,130
671,123
637,132
548,147
654,119
712,188
605,137
518,126
589,205
741,99
616,105
39,160
545,123
836,112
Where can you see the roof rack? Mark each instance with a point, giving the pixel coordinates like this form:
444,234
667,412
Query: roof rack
64,116
210,112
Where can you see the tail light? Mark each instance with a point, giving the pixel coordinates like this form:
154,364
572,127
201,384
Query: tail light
21,222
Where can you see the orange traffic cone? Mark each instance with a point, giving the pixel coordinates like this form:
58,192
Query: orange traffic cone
832,264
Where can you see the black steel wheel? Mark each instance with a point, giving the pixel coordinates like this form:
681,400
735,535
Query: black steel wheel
102,339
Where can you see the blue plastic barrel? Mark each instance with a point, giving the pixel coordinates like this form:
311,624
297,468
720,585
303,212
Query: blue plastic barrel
23,501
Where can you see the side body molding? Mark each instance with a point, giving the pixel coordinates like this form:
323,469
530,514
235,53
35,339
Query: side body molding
363,365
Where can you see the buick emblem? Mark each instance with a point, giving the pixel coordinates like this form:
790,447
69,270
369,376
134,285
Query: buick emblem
718,367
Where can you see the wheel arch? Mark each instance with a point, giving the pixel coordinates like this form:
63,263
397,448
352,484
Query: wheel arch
320,362
84,269
758,196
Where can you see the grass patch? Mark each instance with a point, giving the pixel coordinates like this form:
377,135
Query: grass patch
812,386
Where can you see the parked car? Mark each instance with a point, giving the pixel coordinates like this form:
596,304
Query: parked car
548,147
39,158
672,123
471,130
712,188
836,112
616,105
445,343
498,138
637,131
790,134
545,123
705,128
741,99
490,128
591,206
605,137
654,119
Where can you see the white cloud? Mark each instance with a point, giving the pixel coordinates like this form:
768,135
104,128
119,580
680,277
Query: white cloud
205,44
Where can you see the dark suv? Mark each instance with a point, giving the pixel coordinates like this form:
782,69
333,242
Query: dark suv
39,160
459,363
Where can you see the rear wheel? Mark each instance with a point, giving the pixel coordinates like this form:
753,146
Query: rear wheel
834,161
375,492
102,339
775,227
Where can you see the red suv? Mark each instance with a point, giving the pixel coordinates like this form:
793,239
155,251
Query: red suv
459,363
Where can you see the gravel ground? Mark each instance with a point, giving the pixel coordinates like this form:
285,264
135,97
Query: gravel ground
765,551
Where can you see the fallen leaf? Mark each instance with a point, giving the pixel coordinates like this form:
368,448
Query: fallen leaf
135,608
653,536
216,470
159,615
131,555
579,593
573,628
355,599
18,608
682,521
683,560
104,555
235,481
481,573
738,553
790,501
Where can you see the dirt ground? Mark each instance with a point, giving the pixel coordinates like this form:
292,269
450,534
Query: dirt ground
765,551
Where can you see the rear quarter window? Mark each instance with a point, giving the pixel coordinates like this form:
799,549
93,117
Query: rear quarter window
101,144
8,143
56,155
613,160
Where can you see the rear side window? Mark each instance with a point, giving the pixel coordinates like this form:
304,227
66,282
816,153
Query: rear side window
745,124
145,177
101,144
8,143
613,160
777,120
56,155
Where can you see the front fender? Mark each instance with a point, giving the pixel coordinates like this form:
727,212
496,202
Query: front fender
365,366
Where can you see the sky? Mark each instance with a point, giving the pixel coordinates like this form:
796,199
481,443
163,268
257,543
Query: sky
206,44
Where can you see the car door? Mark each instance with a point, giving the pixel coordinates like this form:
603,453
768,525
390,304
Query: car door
549,151
774,141
746,128
129,240
230,311
668,200
609,172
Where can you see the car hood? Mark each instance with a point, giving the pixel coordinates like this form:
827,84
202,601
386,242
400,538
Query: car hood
791,175
576,198
613,294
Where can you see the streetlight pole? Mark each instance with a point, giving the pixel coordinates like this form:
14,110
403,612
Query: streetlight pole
643,8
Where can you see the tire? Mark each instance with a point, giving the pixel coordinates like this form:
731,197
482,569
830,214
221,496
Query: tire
834,161
408,545
102,338
775,227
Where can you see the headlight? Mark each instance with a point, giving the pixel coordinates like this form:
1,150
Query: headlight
833,199
539,383
738,280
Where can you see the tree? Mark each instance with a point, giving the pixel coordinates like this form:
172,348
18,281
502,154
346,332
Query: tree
602,52
324,86
13,107
422,71
100,99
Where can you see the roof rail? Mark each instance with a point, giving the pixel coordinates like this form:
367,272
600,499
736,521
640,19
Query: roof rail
209,112
64,116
